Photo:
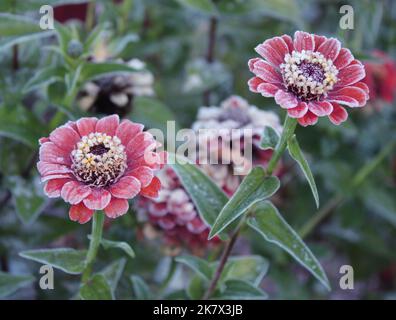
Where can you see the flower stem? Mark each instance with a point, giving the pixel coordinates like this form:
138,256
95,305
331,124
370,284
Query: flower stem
288,130
223,261
96,237
210,54
335,201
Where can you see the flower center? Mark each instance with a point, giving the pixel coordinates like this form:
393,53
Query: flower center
99,160
309,75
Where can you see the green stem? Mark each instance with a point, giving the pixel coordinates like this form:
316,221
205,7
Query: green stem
335,201
288,130
96,237
169,277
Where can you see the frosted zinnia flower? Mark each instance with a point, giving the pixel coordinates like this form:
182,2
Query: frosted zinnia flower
310,76
99,164
381,78
173,211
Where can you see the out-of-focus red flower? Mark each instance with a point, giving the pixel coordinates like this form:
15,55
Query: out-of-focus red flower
68,12
173,211
98,165
381,78
310,76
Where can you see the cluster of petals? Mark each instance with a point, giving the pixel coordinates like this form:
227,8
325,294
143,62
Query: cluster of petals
310,76
381,77
98,164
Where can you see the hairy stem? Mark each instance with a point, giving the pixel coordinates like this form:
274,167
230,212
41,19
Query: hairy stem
222,263
288,130
96,237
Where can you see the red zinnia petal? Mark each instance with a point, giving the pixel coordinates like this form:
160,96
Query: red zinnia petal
86,126
127,188
338,115
303,41
116,208
285,99
80,213
98,199
127,130
330,48
320,108
266,72
299,111
151,191
308,120
344,58
74,192
108,125
53,187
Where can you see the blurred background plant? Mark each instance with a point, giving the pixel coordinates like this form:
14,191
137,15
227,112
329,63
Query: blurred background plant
184,54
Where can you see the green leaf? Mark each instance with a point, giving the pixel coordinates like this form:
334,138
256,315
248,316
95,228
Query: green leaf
7,42
205,6
140,288
14,25
247,268
97,288
269,139
198,265
240,290
113,272
93,70
10,283
29,199
254,188
21,126
208,198
44,77
124,246
196,288
152,113
68,260
270,224
284,9
296,153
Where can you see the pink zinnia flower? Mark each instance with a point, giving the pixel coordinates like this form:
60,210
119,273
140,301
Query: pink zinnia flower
310,77
99,164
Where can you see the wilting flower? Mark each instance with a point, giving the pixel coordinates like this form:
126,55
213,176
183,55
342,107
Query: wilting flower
381,78
99,164
114,93
310,76
173,211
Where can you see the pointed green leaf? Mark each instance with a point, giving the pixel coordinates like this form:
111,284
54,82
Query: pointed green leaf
68,260
15,25
254,188
28,197
140,288
206,195
97,288
269,223
10,283
236,289
198,265
124,246
152,113
250,268
269,139
113,272
296,153
44,77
